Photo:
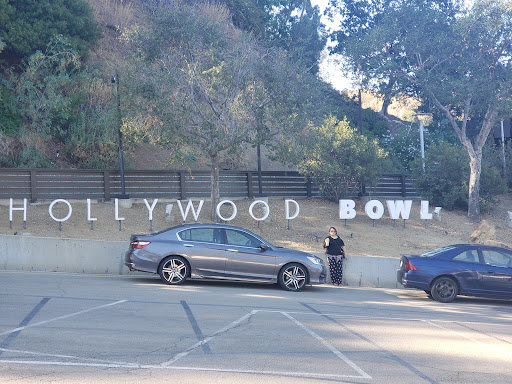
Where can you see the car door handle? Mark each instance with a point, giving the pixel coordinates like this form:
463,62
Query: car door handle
232,250
188,245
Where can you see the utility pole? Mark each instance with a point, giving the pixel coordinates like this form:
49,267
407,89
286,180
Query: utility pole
422,139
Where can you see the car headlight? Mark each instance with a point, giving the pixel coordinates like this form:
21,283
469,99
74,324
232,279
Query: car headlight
315,260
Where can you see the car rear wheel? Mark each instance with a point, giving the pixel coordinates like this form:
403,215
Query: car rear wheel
444,289
173,270
293,277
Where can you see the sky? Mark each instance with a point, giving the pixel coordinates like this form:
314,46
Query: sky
331,66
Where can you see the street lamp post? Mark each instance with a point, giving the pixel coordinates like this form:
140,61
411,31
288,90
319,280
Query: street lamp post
422,140
115,80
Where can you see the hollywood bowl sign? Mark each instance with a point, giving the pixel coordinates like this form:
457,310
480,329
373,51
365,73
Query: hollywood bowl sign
374,209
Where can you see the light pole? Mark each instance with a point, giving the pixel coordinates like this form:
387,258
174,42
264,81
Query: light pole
115,80
422,140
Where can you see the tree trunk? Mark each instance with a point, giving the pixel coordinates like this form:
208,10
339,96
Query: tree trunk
384,110
475,165
215,185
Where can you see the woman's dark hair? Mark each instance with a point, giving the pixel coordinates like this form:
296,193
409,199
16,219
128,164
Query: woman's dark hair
334,230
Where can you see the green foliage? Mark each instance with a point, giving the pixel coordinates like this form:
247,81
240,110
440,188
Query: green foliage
28,26
10,119
493,155
444,181
339,160
28,158
41,89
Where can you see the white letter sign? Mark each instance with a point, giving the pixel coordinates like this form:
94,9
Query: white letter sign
374,209
60,201
287,208
217,210
150,209
424,210
267,210
89,218
24,209
347,210
190,206
399,208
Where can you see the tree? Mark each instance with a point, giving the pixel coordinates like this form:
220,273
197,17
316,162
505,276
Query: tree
27,26
340,160
207,76
459,59
358,19
40,88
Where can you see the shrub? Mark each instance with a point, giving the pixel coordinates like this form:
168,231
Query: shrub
340,160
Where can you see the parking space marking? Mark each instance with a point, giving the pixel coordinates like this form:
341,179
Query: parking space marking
92,362
377,346
24,322
195,326
363,374
61,317
177,368
470,338
206,340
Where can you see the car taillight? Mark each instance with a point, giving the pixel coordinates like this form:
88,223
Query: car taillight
139,244
409,266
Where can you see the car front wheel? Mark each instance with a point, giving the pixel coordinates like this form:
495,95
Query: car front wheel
293,277
173,270
444,289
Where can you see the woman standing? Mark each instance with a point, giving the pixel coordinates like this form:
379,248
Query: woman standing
335,249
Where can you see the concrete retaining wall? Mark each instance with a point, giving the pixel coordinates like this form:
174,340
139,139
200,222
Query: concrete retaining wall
107,257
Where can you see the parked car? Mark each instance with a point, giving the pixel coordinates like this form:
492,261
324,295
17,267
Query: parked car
461,269
224,253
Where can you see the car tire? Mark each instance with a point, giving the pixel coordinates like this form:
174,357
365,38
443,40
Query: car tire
444,289
293,277
173,270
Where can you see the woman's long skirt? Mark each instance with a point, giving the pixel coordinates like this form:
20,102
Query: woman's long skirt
336,268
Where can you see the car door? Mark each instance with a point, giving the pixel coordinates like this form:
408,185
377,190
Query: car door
205,251
468,270
497,276
246,260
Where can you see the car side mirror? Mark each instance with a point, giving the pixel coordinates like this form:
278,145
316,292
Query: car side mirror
263,246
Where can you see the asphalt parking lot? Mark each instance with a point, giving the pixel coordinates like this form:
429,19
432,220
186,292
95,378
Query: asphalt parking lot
73,328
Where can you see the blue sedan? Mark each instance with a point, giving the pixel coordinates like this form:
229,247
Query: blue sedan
461,269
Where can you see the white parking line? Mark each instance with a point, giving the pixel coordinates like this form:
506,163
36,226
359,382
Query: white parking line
363,374
176,368
207,339
470,338
61,317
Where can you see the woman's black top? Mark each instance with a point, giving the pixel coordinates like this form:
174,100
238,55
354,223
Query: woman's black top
334,247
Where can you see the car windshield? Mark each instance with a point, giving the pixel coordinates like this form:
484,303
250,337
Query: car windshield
437,251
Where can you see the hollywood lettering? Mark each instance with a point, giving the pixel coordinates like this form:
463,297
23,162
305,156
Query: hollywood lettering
374,209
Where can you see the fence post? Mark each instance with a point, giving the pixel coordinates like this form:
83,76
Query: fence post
308,187
106,185
182,186
249,185
33,185
404,192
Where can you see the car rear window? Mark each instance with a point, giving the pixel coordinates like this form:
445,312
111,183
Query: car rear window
437,251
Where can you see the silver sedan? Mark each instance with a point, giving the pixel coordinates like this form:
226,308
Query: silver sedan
224,253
